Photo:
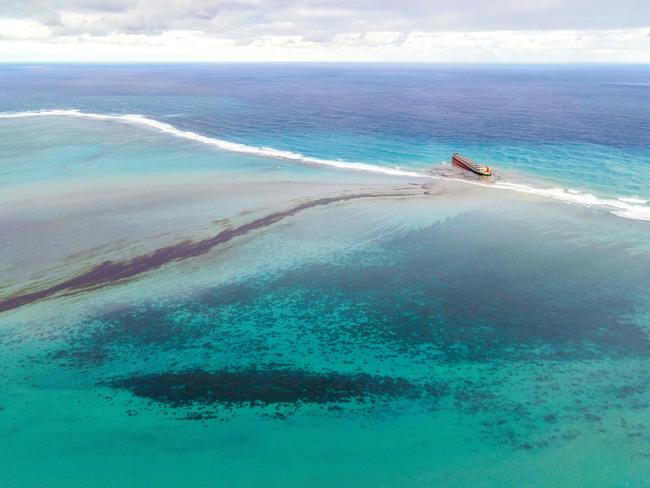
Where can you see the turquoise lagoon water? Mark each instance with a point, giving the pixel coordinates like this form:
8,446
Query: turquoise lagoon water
448,335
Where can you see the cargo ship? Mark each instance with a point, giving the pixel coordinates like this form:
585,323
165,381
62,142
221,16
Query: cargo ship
470,165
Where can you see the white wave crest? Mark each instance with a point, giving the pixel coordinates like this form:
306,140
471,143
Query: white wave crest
627,207
219,143
635,199
618,207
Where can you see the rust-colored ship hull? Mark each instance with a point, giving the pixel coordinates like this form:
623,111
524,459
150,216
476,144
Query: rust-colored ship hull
468,164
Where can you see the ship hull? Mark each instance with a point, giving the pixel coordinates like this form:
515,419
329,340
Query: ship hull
474,169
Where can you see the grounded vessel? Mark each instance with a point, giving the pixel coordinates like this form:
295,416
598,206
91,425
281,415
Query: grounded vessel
466,163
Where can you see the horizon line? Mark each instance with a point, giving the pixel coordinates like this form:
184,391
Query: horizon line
276,62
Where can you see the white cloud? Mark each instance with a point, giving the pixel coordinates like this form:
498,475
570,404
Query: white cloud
16,29
348,30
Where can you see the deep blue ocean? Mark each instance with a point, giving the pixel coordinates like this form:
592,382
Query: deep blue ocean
583,127
270,275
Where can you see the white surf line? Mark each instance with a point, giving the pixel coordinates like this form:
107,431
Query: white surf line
634,199
619,207
212,141
627,207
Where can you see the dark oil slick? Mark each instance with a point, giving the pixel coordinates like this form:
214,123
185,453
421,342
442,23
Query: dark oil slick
110,272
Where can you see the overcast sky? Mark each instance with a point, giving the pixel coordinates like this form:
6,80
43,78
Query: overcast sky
325,30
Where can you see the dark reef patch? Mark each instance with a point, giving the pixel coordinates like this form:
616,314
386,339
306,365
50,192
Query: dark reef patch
81,357
493,296
148,329
275,392
262,387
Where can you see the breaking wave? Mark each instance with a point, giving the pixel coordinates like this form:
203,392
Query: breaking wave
620,206
637,200
268,152
626,207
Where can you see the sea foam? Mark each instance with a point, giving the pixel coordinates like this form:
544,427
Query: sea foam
626,207
618,206
268,152
634,199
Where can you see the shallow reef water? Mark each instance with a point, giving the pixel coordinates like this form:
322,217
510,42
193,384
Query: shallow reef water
464,329
177,314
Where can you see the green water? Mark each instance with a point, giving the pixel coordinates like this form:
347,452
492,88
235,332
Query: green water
540,381
468,337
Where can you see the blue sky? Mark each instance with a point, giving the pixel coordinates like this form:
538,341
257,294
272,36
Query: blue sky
326,30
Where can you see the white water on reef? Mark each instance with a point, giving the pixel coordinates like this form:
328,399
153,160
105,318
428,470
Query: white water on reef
626,207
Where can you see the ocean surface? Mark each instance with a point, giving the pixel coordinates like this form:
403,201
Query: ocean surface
270,275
